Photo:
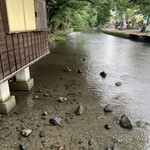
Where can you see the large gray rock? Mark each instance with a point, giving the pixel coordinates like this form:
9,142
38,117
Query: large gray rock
55,121
125,122
108,108
80,110
26,132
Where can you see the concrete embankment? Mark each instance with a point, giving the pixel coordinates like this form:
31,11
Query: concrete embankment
116,33
129,34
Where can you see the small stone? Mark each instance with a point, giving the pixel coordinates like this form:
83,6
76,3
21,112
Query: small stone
125,122
39,91
83,59
117,97
45,113
141,124
107,127
43,142
103,74
61,148
67,69
46,94
56,121
108,108
65,99
38,125
44,117
62,99
80,142
24,146
42,134
80,110
26,132
16,112
36,97
118,84
90,142
79,71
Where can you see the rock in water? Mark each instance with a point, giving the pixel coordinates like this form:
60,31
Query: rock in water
103,74
26,132
118,84
107,127
80,110
141,124
36,97
24,146
46,94
62,99
45,113
67,69
108,108
83,59
108,148
56,121
42,134
125,122
79,71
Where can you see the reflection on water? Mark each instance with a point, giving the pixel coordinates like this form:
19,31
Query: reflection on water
124,60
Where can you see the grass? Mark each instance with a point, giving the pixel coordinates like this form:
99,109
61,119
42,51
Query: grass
61,38
76,28
119,34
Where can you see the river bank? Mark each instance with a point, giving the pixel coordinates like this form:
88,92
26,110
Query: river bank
63,35
129,34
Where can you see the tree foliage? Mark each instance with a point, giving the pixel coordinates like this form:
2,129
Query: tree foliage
90,13
83,13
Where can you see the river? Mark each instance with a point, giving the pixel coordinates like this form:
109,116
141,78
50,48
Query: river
123,60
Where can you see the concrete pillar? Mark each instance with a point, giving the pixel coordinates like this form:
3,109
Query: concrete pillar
7,102
23,75
23,81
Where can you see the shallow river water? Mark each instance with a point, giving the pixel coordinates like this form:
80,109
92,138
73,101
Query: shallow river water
123,60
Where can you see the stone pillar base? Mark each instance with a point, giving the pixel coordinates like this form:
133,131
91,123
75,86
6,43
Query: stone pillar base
7,105
22,85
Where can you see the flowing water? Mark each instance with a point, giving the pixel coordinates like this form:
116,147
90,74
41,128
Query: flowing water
123,60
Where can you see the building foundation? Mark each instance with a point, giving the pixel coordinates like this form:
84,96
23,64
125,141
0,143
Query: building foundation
23,81
7,102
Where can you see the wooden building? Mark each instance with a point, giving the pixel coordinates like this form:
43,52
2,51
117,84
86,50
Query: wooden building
23,41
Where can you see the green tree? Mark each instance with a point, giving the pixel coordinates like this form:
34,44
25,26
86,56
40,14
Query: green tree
65,13
143,6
